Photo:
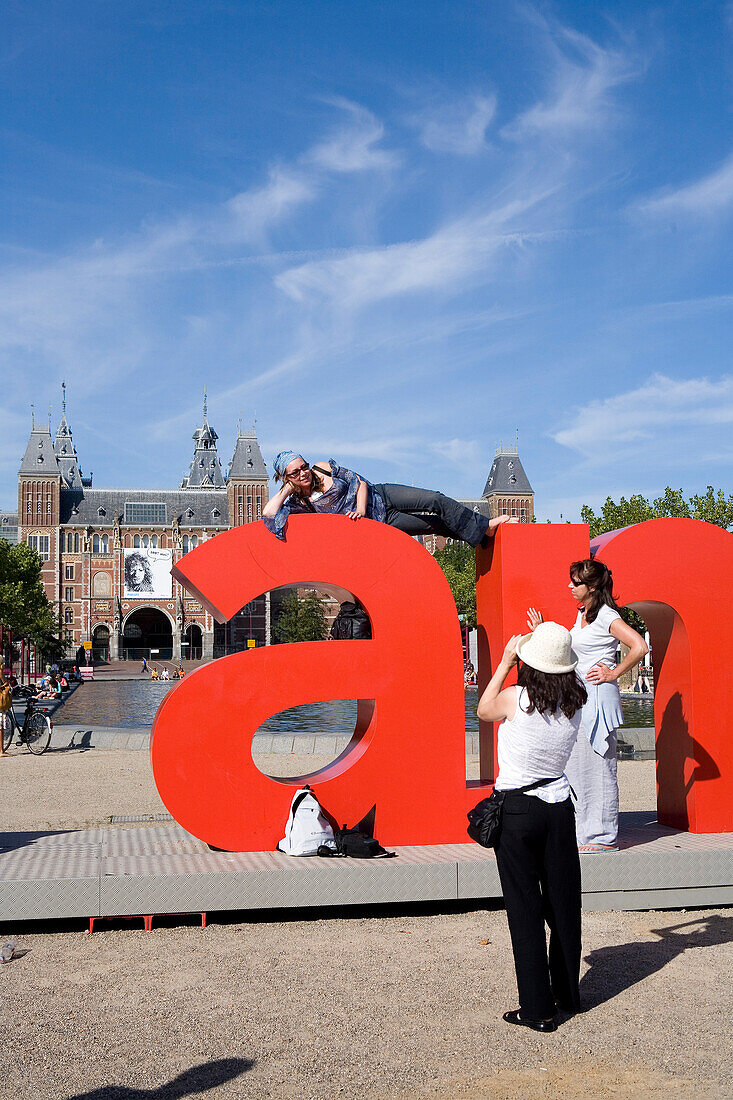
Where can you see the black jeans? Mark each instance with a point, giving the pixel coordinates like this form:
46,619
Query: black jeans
425,512
539,868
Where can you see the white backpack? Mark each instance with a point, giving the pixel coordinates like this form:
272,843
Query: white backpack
307,828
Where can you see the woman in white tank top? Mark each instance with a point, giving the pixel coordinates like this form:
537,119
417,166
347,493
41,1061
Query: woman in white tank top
536,854
591,769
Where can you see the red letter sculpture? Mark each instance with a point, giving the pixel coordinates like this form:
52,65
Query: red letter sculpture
407,755
408,759
678,574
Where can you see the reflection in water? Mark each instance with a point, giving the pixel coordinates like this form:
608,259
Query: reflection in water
126,703
133,703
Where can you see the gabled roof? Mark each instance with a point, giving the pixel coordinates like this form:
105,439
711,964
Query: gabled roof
507,474
40,458
247,463
98,507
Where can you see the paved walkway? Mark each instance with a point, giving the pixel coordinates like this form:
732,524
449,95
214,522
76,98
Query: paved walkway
113,737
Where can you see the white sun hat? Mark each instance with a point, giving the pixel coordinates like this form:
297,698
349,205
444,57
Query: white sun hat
548,649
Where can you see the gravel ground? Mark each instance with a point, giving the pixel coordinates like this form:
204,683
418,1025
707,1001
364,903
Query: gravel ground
367,1006
77,788
400,1004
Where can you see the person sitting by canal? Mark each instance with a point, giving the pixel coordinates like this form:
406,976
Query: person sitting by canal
536,854
154,675
53,691
596,633
328,487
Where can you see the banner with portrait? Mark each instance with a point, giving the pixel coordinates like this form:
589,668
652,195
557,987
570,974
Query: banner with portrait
148,574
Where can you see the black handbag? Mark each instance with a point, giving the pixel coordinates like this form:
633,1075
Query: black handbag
484,820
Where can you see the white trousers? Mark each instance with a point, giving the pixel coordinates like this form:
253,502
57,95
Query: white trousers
593,778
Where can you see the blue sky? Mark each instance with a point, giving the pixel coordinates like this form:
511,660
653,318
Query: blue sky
396,232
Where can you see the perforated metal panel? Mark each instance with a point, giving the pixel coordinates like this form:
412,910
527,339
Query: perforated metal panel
163,869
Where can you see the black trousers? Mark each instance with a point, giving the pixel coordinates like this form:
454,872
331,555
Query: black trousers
425,512
539,868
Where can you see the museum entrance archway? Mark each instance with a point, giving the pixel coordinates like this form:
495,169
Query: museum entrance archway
100,644
194,637
147,633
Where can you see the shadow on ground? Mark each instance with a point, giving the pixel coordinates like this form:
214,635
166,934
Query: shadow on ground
194,1081
615,969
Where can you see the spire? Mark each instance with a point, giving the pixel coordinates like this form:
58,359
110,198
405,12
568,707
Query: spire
205,472
39,458
507,473
247,463
66,451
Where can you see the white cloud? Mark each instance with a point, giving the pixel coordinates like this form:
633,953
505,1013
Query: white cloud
707,197
254,212
448,257
459,128
459,452
660,420
353,147
580,99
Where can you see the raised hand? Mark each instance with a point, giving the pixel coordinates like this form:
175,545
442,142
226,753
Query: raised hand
534,618
510,650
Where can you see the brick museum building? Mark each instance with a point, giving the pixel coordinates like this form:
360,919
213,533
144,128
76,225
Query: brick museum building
107,554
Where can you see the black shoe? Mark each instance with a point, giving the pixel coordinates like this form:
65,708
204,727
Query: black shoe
536,1025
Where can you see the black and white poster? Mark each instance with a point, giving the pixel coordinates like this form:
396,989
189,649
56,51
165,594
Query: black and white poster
148,574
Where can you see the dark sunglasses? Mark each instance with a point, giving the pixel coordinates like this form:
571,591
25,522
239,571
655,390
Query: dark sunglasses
297,473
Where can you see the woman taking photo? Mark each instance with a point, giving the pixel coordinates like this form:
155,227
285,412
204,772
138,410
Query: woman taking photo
536,854
328,487
591,769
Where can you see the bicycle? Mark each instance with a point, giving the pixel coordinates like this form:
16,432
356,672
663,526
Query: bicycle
35,731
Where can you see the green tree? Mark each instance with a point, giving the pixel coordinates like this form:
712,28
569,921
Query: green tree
458,563
301,619
714,506
24,606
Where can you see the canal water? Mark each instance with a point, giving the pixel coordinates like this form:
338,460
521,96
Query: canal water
133,703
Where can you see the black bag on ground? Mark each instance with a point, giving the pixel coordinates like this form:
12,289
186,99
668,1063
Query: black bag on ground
352,621
354,843
484,820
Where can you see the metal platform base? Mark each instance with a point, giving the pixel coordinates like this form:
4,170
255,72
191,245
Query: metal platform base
118,872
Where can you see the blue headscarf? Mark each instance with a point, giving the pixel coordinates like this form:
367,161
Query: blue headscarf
283,460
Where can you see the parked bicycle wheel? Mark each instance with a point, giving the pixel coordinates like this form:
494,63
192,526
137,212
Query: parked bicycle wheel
38,733
8,731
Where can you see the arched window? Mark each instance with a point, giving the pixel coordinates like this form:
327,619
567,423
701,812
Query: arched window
105,544
185,544
69,543
76,542
146,540
136,540
95,544
154,542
